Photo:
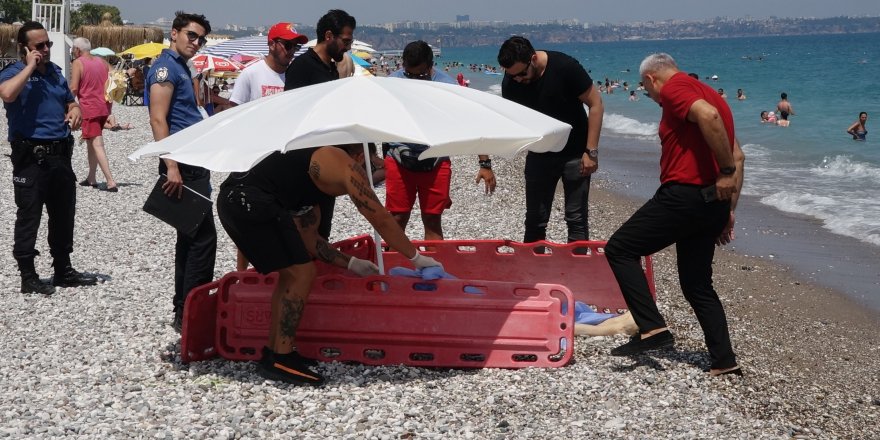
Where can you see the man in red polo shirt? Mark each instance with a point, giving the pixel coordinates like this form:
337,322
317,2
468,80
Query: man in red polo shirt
701,170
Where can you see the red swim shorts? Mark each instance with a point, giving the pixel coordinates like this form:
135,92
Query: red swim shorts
402,186
93,127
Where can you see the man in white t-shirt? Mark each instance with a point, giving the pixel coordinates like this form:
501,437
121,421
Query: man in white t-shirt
266,77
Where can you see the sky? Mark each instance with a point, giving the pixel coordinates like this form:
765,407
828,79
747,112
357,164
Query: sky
267,12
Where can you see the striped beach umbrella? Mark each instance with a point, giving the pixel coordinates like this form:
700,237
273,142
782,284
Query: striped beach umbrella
258,45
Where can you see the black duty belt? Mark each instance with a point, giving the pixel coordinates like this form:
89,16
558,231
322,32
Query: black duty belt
48,147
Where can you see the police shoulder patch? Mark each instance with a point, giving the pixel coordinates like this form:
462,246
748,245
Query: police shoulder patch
162,74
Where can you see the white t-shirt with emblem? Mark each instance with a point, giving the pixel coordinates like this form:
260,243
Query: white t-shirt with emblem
255,82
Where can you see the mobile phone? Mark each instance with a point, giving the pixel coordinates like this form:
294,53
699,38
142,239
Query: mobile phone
709,194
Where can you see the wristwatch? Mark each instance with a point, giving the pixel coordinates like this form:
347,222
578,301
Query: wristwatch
593,152
727,171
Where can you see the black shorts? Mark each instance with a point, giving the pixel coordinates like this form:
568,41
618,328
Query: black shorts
261,228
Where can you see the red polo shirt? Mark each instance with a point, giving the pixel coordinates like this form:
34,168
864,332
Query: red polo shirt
686,156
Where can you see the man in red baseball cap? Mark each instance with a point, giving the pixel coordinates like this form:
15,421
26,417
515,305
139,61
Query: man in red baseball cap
266,77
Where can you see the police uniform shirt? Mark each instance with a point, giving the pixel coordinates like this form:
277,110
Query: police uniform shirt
40,109
169,67
308,69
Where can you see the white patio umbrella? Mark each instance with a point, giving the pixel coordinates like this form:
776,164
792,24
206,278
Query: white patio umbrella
453,120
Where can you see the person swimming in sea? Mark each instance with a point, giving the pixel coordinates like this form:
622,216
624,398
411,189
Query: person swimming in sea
768,117
858,130
784,108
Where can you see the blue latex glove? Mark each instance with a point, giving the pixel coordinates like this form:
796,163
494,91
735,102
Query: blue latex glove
430,273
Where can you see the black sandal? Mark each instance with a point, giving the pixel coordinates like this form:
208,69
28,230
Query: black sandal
85,182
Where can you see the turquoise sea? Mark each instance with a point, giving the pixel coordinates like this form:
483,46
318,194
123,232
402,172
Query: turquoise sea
812,193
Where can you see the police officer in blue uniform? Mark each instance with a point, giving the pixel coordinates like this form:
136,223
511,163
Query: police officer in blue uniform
173,108
41,112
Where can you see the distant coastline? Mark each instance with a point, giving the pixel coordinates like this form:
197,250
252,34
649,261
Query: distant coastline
390,36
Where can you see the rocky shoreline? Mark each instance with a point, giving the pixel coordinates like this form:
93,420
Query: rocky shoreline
104,362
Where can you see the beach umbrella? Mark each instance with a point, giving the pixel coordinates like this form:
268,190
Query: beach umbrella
357,46
361,62
102,52
258,45
203,62
453,120
147,50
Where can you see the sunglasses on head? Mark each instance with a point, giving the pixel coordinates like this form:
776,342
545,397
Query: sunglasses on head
194,36
43,45
289,45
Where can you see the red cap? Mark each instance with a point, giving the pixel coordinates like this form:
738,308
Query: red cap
285,31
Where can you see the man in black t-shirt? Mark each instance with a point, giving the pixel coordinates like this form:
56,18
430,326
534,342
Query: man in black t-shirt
318,65
557,85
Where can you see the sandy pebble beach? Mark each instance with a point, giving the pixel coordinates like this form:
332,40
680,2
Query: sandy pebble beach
103,361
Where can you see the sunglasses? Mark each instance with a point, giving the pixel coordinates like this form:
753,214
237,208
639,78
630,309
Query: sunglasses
289,45
426,75
524,72
194,36
43,45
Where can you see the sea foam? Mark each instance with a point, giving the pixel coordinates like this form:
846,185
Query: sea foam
622,125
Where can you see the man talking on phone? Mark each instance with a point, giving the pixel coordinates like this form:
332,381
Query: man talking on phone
701,174
41,112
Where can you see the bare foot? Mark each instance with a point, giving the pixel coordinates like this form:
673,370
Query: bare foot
735,370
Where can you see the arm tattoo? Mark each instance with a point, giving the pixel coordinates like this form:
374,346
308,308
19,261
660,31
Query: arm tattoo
291,312
315,170
364,194
327,253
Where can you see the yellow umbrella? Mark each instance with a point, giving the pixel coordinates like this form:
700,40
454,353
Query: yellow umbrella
363,55
148,50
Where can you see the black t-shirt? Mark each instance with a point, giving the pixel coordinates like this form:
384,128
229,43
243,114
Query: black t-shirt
556,94
284,176
308,69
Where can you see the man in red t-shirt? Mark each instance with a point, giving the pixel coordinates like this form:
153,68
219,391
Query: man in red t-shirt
701,171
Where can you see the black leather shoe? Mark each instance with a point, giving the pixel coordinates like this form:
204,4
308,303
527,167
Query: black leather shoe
70,277
637,345
35,285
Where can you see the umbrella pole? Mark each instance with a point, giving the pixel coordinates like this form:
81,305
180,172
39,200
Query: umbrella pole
376,237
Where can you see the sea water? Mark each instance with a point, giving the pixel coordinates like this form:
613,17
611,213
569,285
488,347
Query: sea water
811,170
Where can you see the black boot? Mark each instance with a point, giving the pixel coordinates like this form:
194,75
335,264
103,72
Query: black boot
30,281
67,276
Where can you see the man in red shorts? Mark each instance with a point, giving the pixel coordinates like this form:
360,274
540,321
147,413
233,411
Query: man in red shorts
407,177
88,80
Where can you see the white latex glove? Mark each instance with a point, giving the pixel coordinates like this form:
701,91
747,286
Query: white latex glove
363,268
420,261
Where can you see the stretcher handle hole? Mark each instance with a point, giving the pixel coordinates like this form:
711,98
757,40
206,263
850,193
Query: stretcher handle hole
250,351
374,353
542,250
524,357
421,356
467,249
330,352
563,347
582,251
377,286
473,357
505,250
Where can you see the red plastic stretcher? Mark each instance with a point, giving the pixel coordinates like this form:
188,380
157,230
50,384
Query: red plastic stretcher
521,315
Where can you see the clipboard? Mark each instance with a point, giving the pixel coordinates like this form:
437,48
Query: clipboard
185,213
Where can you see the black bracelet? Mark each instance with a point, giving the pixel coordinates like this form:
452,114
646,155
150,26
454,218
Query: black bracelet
487,164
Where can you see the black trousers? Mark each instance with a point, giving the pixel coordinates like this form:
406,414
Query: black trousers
52,183
676,214
542,175
194,255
